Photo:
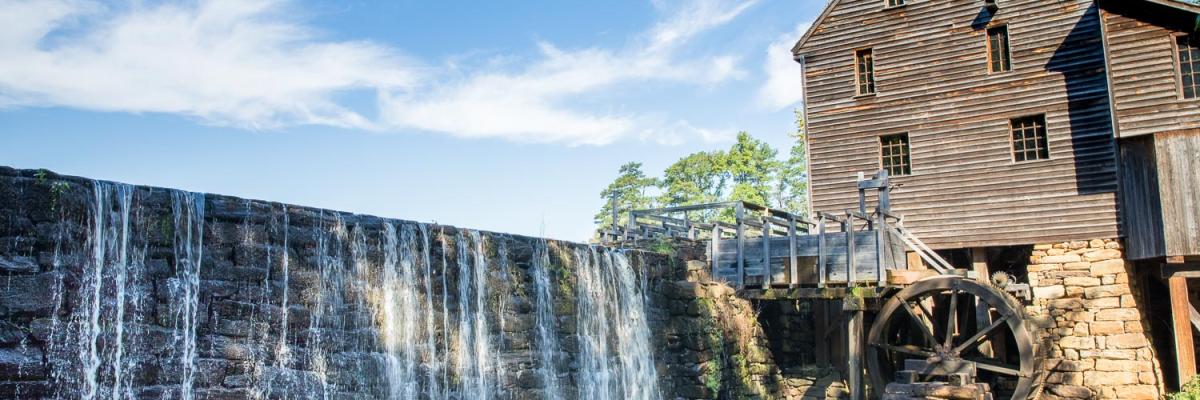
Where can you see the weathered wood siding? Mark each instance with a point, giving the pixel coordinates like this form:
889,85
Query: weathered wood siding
1140,202
1144,69
933,83
1160,191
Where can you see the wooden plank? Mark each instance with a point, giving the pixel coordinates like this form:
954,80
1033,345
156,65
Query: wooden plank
983,313
767,271
793,257
907,277
821,342
914,261
854,355
715,249
1185,357
740,215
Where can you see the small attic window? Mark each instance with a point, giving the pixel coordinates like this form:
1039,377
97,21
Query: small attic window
893,3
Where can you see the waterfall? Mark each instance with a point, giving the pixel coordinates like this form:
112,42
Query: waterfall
172,295
185,285
614,300
474,345
549,351
104,293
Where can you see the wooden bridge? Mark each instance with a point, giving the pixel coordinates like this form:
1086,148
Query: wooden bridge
762,250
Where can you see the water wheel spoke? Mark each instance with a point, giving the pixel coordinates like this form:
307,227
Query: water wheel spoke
925,328
997,368
951,320
977,338
905,349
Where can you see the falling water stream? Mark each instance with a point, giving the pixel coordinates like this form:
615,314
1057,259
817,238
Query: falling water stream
340,304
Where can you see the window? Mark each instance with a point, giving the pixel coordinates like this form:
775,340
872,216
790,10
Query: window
1029,138
1189,65
893,154
895,3
864,71
999,59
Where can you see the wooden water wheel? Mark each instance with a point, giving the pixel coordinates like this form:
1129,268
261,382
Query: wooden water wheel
950,324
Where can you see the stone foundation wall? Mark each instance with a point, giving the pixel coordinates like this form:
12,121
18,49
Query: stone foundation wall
722,346
1090,316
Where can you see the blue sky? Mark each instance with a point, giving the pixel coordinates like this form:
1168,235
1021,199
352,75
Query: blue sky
506,116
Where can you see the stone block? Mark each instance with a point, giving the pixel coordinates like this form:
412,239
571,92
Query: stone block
1137,392
1114,290
1096,243
1077,342
1060,259
1071,391
1108,378
1077,266
1101,255
1049,292
1107,327
1127,341
1102,303
1108,267
1118,314
1081,281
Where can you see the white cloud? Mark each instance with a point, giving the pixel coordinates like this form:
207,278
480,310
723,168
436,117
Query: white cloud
784,86
530,104
246,63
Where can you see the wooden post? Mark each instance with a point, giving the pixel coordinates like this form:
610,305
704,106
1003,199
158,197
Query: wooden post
768,274
848,228
983,315
715,250
739,214
854,352
821,251
794,276
821,315
1185,357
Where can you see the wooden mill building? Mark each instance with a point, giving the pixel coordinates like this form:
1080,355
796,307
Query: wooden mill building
1054,140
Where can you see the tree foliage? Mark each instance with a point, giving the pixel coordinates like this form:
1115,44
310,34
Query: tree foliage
749,170
630,190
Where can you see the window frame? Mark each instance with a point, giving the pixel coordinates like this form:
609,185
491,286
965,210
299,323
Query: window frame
887,4
905,156
1175,53
857,74
1012,140
987,39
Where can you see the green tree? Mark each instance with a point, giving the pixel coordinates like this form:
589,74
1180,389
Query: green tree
791,189
630,189
694,179
752,167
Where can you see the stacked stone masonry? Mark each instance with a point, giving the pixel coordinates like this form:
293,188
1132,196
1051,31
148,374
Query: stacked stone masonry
1089,316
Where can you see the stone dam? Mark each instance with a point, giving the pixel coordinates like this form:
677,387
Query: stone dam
114,291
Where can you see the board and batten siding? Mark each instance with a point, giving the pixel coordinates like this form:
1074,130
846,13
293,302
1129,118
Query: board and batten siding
1144,67
1160,178
932,79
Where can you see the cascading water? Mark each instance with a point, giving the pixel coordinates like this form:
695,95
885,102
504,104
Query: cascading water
172,295
185,286
615,302
549,350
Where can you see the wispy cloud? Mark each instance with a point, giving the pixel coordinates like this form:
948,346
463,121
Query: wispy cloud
240,63
784,86
248,63
531,103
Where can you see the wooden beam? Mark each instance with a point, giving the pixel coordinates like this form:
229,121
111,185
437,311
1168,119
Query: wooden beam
1185,356
854,353
915,262
983,314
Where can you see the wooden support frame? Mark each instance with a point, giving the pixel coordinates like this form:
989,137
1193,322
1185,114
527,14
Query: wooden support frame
1185,355
983,314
